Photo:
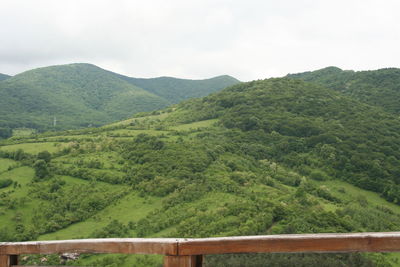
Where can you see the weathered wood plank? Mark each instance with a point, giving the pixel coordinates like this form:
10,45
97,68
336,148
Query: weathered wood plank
164,246
357,242
4,261
8,260
183,261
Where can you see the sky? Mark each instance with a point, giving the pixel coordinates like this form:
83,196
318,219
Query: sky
252,39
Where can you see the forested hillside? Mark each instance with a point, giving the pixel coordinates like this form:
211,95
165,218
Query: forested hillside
379,87
176,90
78,95
264,157
82,95
4,76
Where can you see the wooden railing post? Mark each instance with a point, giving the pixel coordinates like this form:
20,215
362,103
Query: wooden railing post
8,260
183,261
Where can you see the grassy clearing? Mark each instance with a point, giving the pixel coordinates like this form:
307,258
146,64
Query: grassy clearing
109,160
20,132
21,195
6,163
139,119
23,176
349,193
33,148
66,138
195,125
136,206
23,132
130,132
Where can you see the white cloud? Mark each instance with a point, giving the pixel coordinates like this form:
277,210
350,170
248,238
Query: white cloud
198,39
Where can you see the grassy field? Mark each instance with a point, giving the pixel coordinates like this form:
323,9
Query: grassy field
138,208
132,133
349,193
19,195
138,119
23,132
6,163
34,148
194,125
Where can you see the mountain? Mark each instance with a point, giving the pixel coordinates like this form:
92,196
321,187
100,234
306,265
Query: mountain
297,121
176,90
80,95
276,156
378,87
4,76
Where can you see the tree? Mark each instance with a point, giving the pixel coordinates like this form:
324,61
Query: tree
44,155
41,169
5,133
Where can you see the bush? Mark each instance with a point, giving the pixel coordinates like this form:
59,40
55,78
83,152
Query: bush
318,175
44,155
113,229
41,169
5,183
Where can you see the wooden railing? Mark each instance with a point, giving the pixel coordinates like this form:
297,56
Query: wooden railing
189,252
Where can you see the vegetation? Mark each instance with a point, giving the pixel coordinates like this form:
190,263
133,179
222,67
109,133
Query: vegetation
4,76
78,95
291,260
83,95
307,127
379,88
277,156
5,133
176,90
5,183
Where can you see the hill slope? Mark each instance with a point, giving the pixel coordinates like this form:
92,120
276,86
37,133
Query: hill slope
379,87
176,90
265,157
79,95
298,121
4,76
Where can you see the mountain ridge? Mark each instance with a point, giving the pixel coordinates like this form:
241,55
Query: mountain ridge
178,89
376,87
79,95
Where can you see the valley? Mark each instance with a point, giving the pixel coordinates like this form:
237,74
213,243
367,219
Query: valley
266,157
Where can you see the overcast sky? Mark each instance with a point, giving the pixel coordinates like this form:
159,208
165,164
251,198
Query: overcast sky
252,39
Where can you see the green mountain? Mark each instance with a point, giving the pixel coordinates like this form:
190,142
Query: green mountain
80,95
298,121
264,157
379,87
4,76
176,90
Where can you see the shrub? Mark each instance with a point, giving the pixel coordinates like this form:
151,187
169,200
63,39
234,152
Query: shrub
5,183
